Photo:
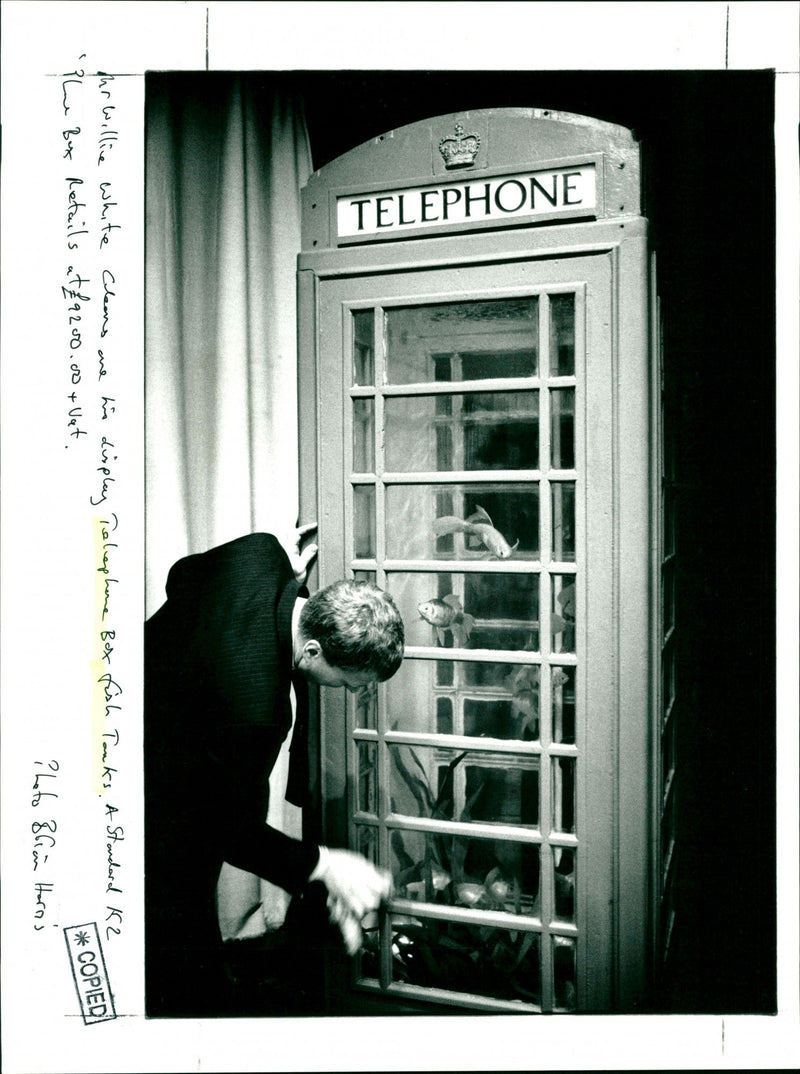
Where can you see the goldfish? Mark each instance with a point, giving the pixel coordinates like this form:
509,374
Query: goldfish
447,614
480,525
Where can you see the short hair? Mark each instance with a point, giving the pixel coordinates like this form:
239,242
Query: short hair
357,626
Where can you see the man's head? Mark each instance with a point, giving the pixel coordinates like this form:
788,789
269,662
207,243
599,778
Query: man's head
351,634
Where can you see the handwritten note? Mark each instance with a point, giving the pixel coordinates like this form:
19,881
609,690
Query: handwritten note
44,829
95,293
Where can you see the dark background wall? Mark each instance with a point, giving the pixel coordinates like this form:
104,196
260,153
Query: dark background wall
709,165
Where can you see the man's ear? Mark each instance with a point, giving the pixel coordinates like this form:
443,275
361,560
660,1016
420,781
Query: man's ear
312,648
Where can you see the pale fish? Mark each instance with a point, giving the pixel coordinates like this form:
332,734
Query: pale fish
566,598
480,525
469,894
447,614
439,878
499,886
523,683
524,687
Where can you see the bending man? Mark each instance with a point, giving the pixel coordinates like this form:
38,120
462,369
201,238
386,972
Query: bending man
220,656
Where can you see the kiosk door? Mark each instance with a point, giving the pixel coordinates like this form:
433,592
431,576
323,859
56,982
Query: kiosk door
473,426
477,432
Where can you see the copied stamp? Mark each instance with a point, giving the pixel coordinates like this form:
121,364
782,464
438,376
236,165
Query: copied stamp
89,973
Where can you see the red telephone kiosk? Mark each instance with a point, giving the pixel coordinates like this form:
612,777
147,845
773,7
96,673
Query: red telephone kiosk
480,419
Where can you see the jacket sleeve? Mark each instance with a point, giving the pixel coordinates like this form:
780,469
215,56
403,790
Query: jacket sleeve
272,855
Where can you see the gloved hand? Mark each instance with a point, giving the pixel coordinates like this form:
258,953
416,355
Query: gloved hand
348,924
300,560
355,886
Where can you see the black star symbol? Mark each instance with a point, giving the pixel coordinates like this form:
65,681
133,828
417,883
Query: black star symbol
81,938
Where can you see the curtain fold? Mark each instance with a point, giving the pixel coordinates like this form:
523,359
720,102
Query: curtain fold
226,157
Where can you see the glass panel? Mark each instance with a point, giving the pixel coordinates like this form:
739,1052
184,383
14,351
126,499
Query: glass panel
363,347
486,611
670,452
456,870
563,691
445,673
364,521
669,520
444,715
667,916
668,829
460,958
562,428
464,785
490,674
518,718
367,777
563,613
668,751
562,335
363,435
563,794
564,984
367,842
462,521
481,699
668,593
668,678
479,431
365,706
365,576
462,341
564,883
563,536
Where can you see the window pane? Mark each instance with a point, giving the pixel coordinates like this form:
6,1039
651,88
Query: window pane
363,435
563,691
563,537
366,842
668,828
564,984
460,958
667,915
562,335
367,777
668,750
363,347
364,521
563,772
480,431
562,429
365,706
668,587
462,341
670,520
462,521
563,613
461,698
456,870
564,883
486,611
464,785
668,677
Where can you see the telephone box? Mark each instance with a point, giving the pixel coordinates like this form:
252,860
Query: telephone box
479,434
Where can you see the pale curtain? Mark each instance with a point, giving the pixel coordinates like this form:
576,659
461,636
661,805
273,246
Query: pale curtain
227,155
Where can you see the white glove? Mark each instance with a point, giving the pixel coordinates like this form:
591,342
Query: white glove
355,886
348,925
300,560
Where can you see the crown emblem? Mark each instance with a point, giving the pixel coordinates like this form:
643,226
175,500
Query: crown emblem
459,152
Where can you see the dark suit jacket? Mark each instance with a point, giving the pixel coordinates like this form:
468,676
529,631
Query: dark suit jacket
218,661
